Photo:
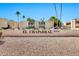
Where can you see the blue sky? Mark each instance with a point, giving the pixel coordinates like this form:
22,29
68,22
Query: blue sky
38,10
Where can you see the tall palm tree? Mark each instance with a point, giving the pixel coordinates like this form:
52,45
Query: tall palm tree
18,14
23,16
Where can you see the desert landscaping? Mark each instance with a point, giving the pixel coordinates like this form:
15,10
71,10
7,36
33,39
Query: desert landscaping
39,46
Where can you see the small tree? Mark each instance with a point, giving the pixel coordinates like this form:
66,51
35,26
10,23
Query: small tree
31,22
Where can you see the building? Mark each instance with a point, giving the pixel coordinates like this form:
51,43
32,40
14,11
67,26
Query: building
67,25
12,25
42,24
36,24
3,23
49,24
27,25
23,24
9,24
31,25
73,25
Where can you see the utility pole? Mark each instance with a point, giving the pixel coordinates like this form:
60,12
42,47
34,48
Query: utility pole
56,13
60,13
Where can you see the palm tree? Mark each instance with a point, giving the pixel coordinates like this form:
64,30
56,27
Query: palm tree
56,21
59,23
23,17
18,14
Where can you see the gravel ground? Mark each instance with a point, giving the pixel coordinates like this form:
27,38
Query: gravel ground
39,46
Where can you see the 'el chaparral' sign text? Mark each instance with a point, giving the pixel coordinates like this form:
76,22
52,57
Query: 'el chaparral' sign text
37,31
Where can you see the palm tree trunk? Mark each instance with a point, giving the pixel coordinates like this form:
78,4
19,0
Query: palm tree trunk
18,22
57,23
53,24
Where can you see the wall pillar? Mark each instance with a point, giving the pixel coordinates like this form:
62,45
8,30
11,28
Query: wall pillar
73,24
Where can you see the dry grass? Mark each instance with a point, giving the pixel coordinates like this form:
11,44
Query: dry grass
35,46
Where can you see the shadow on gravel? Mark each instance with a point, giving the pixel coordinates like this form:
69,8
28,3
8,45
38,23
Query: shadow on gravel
2,42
